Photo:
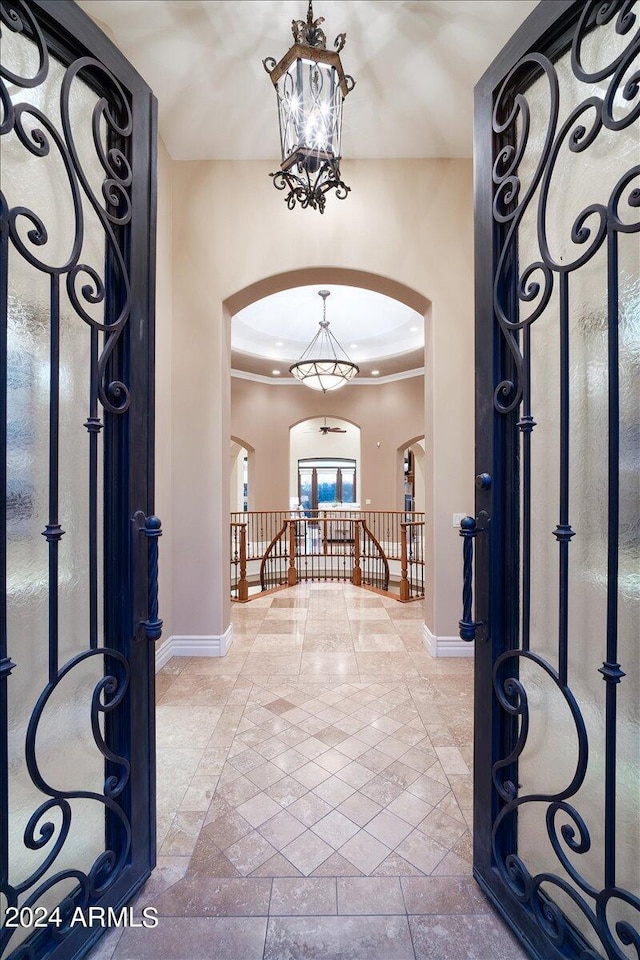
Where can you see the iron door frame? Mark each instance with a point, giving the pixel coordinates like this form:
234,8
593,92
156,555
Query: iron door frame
497,563
130,627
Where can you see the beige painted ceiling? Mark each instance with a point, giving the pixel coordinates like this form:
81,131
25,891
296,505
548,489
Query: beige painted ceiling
415,63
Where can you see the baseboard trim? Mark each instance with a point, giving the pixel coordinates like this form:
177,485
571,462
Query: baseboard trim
163,653
445,646
195,646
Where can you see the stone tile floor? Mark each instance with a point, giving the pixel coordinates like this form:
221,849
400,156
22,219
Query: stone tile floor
315,793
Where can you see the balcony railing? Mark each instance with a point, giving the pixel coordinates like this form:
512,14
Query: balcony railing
380,550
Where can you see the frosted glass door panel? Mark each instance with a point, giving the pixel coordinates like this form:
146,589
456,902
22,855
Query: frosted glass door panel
54,487
572,394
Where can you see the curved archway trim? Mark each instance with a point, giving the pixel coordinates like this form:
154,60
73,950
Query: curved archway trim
312,275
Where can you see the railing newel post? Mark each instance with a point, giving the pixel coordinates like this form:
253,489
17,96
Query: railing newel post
405,590
243,583
292,575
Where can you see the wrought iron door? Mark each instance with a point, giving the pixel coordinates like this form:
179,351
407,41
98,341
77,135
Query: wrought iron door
78,553
556,536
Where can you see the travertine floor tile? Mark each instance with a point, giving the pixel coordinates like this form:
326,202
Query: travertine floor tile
370,896
307,852
388,828
335,829
364,852
328,744
215,898
258,809
250,852
198,938
463,938
281,829
312,896
443,895
420,850
338,938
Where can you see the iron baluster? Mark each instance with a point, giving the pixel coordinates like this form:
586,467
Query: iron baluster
610,669
53,532
526,423
94,426
563,532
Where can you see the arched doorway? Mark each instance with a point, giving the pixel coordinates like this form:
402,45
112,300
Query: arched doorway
324,467
263,421
411,467
241,457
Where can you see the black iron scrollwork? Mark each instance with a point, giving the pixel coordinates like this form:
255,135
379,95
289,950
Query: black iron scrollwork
536,280
522,291
111,118
41,832
572,836
88,285
311,189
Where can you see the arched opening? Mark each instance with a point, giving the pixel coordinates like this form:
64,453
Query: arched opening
324,463
411,465
261,411
241,454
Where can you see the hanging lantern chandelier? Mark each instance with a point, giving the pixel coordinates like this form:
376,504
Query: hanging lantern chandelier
324,365
310,86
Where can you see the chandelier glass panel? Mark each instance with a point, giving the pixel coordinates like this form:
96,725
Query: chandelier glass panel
310,87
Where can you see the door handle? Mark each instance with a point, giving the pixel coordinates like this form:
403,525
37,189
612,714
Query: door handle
152,529
468,532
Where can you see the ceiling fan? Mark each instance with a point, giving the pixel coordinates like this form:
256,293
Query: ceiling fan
324,429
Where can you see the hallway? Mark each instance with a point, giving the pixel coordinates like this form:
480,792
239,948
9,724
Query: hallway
314,793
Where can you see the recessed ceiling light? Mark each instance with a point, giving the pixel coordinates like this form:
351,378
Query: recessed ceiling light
279,343
276,373
413,329
353,346
375,373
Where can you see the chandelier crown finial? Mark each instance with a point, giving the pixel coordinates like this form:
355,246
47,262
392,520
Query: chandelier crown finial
309,32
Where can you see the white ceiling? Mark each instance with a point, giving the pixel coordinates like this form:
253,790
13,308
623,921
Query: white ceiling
368,325
415,63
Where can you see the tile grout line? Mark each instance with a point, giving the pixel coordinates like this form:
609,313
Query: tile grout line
266,926
413,946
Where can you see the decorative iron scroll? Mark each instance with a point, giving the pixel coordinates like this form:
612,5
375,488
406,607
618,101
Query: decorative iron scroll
535,280
113,209
613,105
311,189
87,285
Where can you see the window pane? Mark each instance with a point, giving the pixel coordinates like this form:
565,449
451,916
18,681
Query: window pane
348,486
326,486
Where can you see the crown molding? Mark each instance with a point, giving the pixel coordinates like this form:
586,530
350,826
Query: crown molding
358,381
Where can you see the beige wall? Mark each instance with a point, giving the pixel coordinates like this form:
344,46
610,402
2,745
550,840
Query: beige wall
386,413
164,338
405,221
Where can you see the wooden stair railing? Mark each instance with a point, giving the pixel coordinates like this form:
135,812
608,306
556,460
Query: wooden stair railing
376,573
271,556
